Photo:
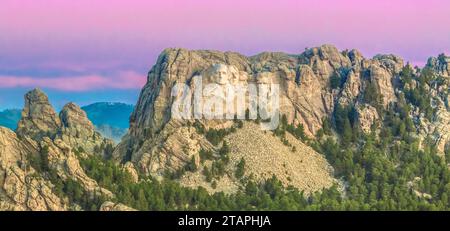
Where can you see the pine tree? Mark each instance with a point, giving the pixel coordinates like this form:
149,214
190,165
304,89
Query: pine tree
240,169
141,200
44,159
335,81
347,133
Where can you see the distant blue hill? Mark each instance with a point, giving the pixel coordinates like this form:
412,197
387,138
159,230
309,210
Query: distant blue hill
110,119
112,114
9,118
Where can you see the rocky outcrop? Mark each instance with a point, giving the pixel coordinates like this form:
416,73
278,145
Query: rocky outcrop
438,129
367,117
441,131
440,64
29,192
383,80
351,89
111,206
39,119
66,163
75,121
129,167
72,126
78,131
40,131
21,188
171,150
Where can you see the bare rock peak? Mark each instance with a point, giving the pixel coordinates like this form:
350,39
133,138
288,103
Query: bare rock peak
38,116
440,64
73,115
36,95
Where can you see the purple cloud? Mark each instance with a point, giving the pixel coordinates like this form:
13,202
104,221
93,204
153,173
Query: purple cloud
120,80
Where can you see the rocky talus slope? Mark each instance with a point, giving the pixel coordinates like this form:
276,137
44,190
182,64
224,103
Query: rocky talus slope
297,165
265,156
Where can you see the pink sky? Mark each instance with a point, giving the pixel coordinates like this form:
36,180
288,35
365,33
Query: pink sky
91,37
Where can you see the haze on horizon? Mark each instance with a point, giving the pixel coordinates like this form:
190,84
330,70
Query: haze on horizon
97,50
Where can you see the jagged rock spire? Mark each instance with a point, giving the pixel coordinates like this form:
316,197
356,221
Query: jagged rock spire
39,119
78,131
441,64
72,116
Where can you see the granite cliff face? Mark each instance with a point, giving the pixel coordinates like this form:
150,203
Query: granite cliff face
304,78
156,142
312,84
441,65
439,128
21,187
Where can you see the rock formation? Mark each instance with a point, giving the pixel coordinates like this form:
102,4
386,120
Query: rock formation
441,65
20,187
129,167
39,119
72,126
78,131
111,206
41,130
304,80
367,117
66,163
157,142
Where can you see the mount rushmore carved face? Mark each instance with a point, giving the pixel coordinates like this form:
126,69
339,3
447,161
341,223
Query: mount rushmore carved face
265,78
224,74
221,75
227,94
